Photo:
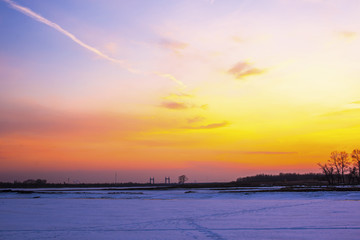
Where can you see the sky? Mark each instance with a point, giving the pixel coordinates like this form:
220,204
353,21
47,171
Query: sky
211,89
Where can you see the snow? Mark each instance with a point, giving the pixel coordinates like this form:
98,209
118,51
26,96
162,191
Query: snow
174,214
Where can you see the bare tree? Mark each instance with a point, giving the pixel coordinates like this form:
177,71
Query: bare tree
338,165
182,179
333,162
355,155
344,164
328,171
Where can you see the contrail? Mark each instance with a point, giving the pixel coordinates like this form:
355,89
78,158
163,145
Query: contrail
43,20
55,26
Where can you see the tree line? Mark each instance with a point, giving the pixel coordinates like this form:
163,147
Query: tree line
342,168
282,177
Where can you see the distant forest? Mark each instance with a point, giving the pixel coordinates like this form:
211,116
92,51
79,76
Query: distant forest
283,178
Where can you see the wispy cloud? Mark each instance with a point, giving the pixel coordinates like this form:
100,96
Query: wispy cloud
243,69
355,112
196,119
173,45
348,34
237,39
258,152
210,126
210,1
180,84
55,26
179,95
175,105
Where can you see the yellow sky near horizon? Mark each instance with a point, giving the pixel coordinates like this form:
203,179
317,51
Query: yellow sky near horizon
238,84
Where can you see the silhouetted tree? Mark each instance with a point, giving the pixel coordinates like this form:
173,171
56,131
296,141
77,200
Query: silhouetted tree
355,155
333,162
340,162
338,165
343,161
328,171
182,179
352,175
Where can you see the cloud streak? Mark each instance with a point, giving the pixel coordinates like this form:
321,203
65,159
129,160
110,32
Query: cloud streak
179,95
181,105
211,126
175,46
348,112
195,119
174,105
259,152
348,34
28,12
172,78
243,69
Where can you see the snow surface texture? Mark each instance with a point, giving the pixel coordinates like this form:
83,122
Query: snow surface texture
174,214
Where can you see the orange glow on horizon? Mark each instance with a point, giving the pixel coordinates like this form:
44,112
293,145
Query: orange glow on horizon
236,87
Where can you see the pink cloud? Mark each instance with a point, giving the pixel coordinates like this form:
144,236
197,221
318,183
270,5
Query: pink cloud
175,105
244,69
181,105
173,45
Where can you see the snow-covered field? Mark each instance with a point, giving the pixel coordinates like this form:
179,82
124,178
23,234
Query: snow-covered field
174,214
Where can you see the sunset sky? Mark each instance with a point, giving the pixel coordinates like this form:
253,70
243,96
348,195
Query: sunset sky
214,89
